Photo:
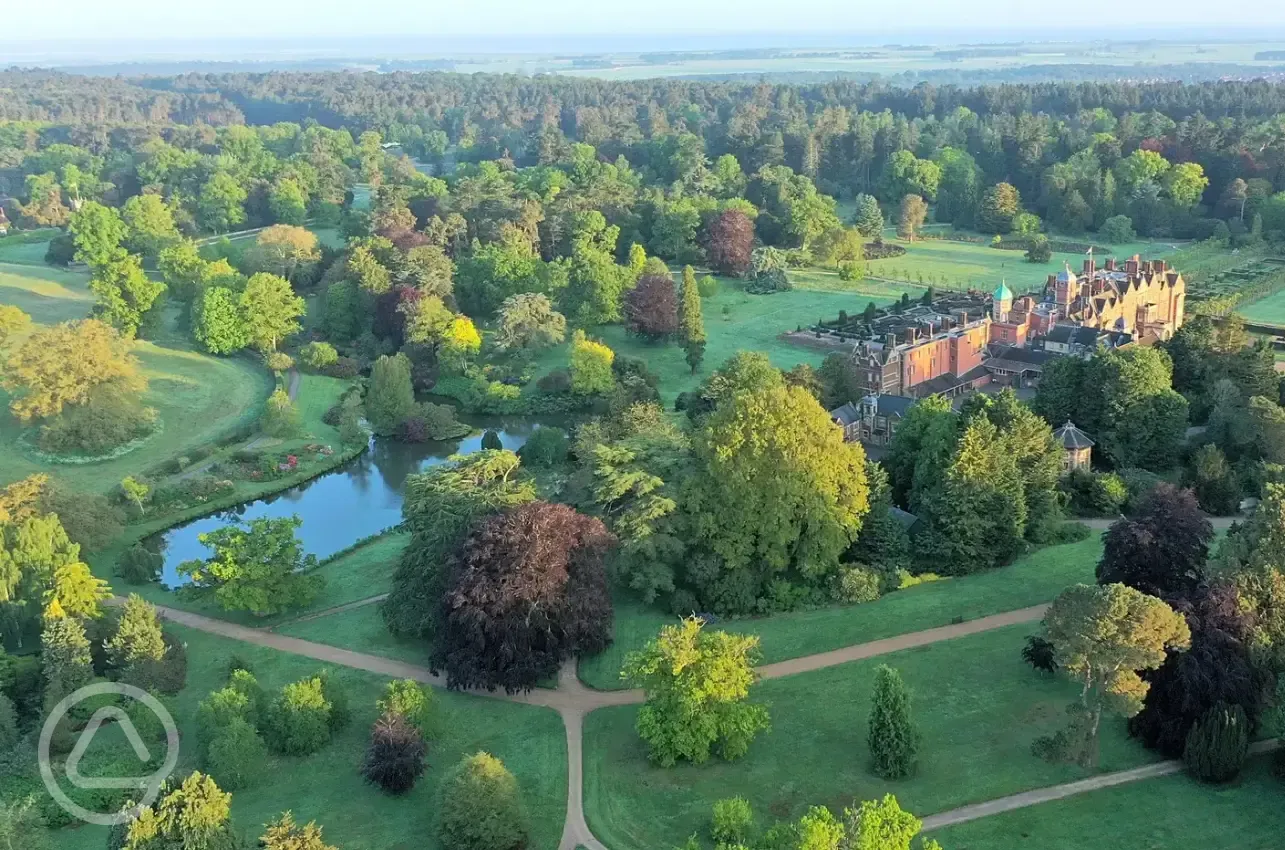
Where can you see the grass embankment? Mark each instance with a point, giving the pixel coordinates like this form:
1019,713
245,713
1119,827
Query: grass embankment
326,787
977,704
1170,813
198,398
1032,580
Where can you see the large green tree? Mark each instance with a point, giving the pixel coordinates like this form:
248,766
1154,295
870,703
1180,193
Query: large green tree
217,321
1102,637
260,568
391,396
270,310
124,292
697,684
776,494
481,807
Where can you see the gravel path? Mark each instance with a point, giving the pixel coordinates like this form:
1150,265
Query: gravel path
573,700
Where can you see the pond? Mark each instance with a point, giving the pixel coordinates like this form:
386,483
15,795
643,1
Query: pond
360,498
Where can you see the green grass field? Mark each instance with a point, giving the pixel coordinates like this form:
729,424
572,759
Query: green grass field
1171,813
327,788
360,630
1033,580
978,706
23,251
197,396
964,265
734,321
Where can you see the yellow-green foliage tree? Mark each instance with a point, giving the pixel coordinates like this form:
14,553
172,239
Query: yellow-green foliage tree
776,494
61,365
697,684
1102,637
590,366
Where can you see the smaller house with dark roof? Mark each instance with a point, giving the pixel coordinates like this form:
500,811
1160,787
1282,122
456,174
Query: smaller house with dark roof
1016,366
1077,445
873,419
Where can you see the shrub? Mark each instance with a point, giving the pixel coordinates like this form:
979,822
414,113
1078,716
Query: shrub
298,721
411,700
280,417
893,738
395,756
732,820
557,382
278,361
707,286
318,356
140,565
90,519
1096,494
545,447
243,682
344,367
340,714
1039,653
1139,482
217,711
236,756
166,676
857,584
481,807
111,417
1217,744
1117,229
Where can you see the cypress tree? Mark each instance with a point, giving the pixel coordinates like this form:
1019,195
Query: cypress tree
893,739
138,635
64,655
693,323
1217,744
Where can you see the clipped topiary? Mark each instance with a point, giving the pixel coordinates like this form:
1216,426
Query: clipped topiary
1217,744
298,722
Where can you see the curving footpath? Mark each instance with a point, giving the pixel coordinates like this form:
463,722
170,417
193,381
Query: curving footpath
573,700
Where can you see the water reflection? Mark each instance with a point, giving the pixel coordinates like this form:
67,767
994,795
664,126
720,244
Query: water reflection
360,498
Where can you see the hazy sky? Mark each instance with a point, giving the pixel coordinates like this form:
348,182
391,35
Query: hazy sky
24,20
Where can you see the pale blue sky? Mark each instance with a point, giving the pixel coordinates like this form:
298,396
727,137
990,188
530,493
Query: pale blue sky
23,20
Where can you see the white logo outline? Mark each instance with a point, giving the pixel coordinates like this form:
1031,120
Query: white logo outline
150,785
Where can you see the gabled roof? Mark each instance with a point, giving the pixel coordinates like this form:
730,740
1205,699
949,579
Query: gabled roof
893,405
845,414
1073,438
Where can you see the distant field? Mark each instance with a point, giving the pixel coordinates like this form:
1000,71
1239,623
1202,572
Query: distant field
964,265
1269,310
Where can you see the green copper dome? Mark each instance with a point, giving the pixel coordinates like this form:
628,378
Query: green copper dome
1003,293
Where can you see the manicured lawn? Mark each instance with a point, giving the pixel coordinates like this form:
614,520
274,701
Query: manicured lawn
1170,813
27,253
1269,310
734,321
360,630
977,704
1032,580
47,295
327,788
963,265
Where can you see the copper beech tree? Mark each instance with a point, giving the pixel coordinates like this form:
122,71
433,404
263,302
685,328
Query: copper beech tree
526,590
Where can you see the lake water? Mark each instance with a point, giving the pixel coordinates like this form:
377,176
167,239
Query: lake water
360,498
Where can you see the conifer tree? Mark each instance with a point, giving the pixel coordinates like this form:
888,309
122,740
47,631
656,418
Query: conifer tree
138,636
893,738
1217,744
64,654
693,323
